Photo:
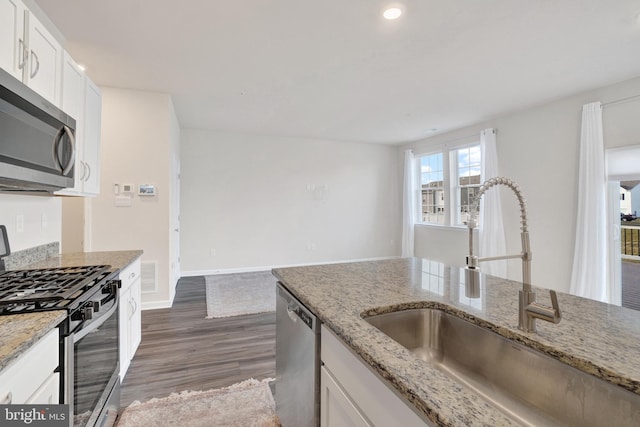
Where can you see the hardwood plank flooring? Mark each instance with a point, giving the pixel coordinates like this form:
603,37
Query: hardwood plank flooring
182,350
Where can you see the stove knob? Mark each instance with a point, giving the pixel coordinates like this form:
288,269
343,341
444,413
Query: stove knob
83,313
87,311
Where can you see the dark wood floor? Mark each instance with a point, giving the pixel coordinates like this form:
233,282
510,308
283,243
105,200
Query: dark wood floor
182,350
631,285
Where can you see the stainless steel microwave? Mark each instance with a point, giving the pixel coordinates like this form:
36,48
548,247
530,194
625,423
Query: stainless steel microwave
37,140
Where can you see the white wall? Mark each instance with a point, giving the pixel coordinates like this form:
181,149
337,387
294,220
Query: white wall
249,202
538,148
136,146
36,232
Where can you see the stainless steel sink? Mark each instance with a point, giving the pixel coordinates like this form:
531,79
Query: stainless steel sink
528,386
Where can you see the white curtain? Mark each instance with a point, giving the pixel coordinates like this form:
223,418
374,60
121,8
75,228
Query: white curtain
589,275
614,267
491,227
409,203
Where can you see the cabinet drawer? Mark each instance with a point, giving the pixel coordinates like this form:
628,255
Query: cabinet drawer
130,274
20,380
48,393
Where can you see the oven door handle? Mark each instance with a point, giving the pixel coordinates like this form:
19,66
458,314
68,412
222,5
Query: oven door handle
77,336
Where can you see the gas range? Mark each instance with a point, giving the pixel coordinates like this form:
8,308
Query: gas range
61,288
89,335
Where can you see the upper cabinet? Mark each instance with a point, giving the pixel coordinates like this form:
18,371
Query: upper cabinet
42,71
82,100
12,46
29,51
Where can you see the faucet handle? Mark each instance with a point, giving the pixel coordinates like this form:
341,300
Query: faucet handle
555,305
549,314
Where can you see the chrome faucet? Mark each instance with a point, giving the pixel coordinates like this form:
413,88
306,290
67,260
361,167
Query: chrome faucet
528,309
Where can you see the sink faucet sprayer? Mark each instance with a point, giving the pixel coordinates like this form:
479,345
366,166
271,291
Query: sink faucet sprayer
529,310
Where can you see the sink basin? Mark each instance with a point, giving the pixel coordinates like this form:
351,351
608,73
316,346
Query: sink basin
528,386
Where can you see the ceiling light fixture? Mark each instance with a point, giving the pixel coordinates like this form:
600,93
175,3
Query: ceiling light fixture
392,13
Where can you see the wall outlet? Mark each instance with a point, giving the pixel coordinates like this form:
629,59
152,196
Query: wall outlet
19,223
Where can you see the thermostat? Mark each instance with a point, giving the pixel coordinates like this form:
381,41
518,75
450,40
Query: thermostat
146,190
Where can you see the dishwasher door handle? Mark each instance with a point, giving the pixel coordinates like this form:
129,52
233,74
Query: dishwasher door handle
292,314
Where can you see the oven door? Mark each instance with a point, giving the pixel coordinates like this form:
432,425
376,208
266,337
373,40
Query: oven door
92,363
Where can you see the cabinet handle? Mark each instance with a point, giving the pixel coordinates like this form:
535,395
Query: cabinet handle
88,171
7,399
134,307
132,275
34,72
23,54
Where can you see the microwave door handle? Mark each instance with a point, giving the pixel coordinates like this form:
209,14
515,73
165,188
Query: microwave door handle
56,143
72,157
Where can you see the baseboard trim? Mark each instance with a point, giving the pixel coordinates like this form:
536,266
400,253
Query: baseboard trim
267,268
154,305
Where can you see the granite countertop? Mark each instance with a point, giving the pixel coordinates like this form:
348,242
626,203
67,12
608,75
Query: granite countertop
18,332
116,259
597,338
21,331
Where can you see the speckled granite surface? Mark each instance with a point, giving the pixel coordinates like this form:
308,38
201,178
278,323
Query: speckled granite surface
19,259
116,259
597,338
21,331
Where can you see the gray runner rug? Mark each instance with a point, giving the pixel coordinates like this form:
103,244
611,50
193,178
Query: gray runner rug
240,293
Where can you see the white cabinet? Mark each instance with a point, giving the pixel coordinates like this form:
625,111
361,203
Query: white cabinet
29,52
43,68
130,315
91,144
352,395
336,408
12,44
30,378
82,100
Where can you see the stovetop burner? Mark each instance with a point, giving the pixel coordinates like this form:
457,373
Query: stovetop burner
47,288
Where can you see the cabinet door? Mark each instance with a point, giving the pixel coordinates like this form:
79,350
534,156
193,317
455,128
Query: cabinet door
135,318
11,37
91,137
44,62
73,104
48,393
125,296
336,409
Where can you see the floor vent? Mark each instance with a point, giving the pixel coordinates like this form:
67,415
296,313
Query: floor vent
149,272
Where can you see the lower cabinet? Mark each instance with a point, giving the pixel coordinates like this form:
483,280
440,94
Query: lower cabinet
30,379
353,395
130,315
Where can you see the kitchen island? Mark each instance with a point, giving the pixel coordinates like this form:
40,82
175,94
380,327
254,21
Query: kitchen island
596,338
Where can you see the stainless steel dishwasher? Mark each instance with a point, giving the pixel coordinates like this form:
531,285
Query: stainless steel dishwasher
297,391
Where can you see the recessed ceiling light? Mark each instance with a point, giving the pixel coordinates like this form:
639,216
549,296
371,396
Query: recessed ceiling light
392,13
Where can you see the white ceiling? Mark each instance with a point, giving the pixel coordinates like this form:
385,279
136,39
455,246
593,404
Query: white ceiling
334,69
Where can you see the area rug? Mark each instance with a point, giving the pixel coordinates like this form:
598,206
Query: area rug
246,404
240,293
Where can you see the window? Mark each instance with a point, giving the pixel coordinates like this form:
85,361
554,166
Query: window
432,188
449,181
468,181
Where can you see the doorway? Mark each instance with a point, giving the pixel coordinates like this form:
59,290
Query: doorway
624,173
